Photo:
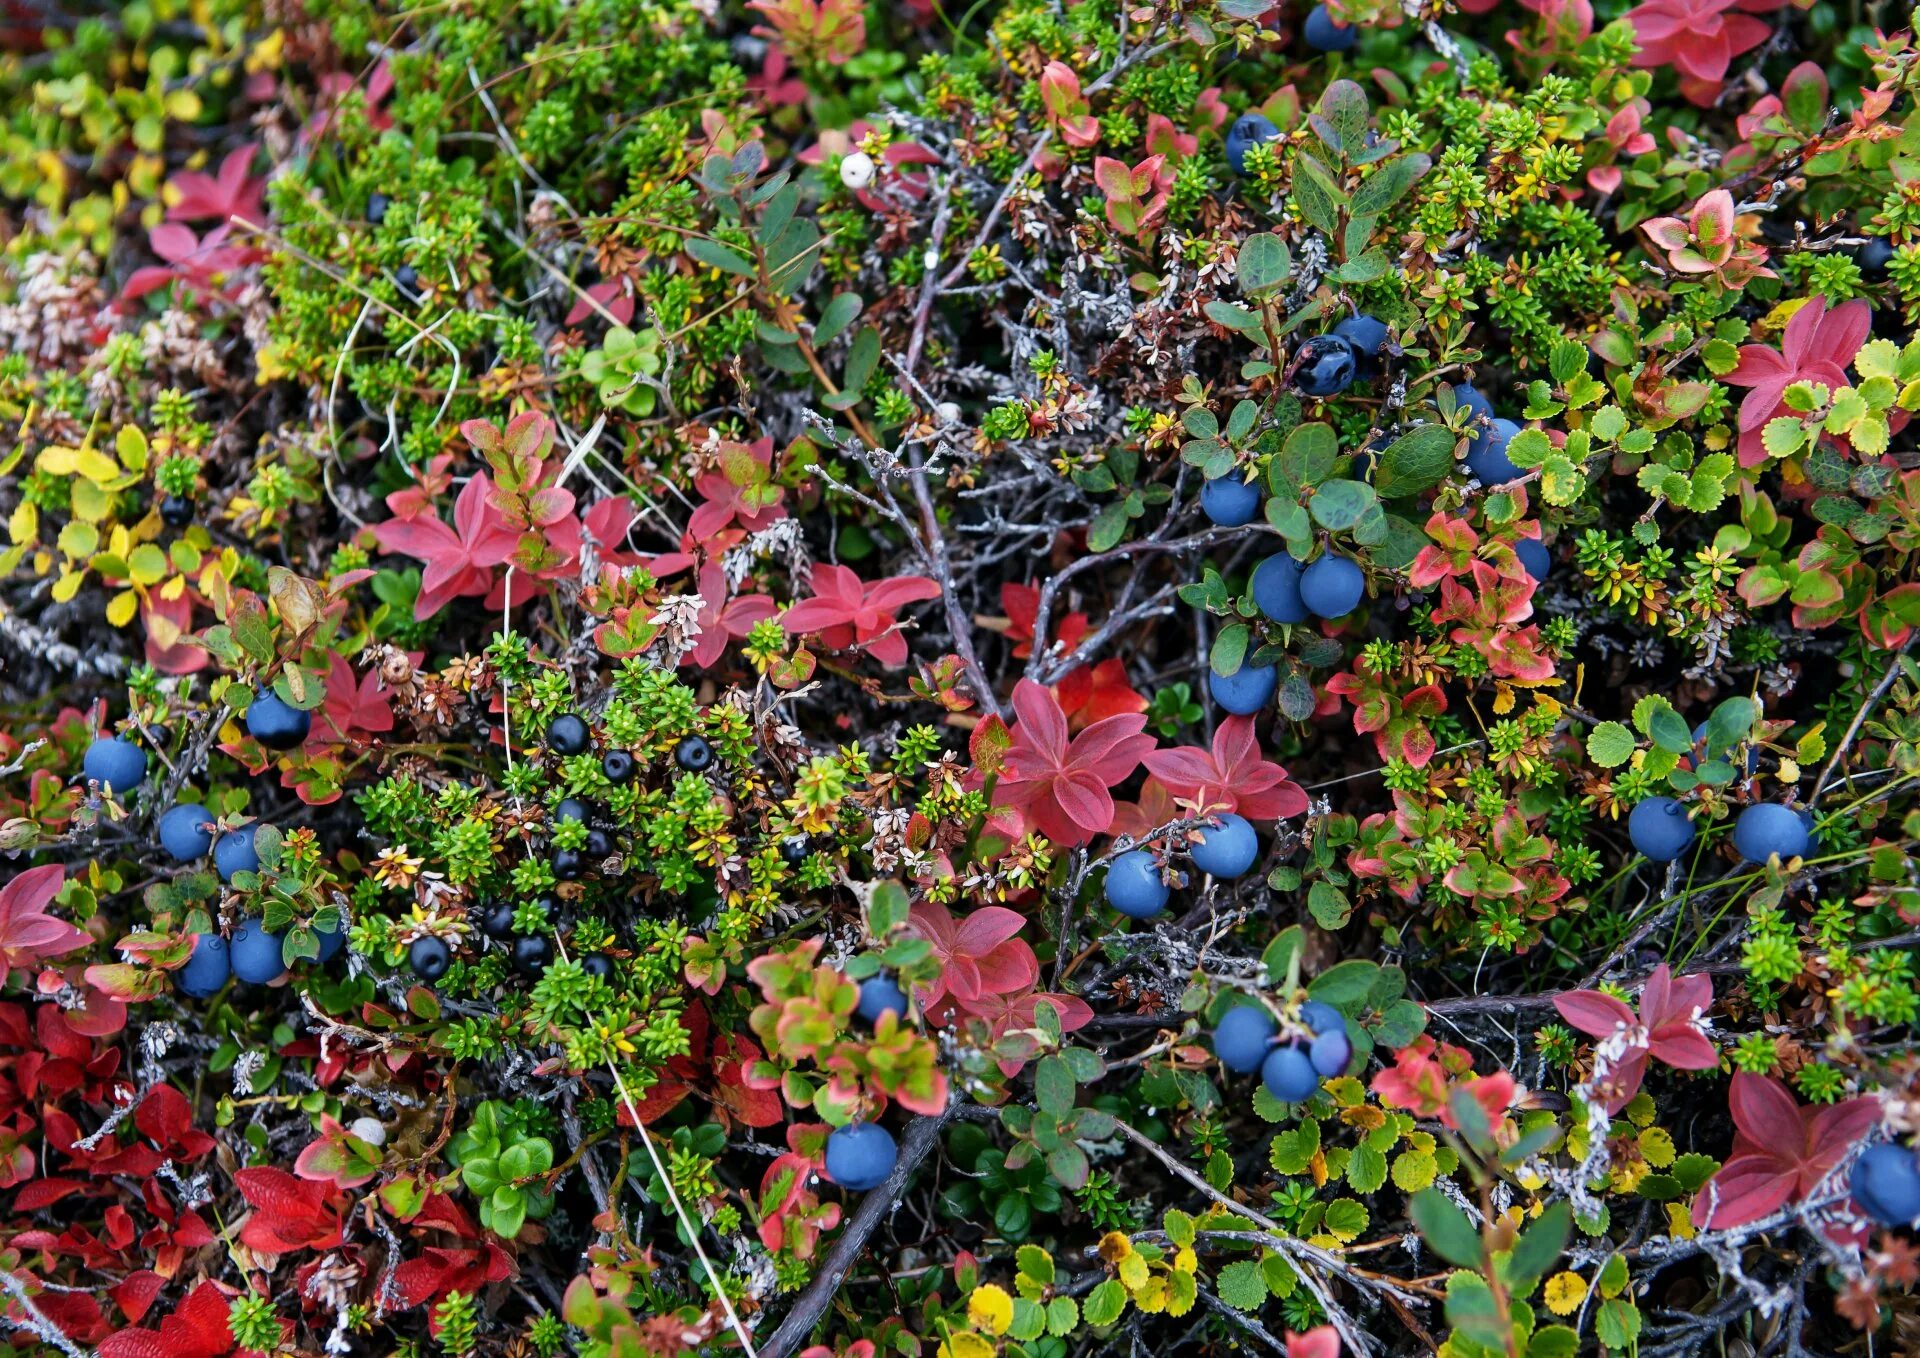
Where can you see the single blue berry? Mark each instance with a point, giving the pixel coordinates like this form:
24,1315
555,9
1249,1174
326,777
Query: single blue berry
693,754
234,852
1886,1184
117,764
1330,1053
257,958
1535,559
1289,1074
275,723
860,1156
881,995
1321,1017
1246,690
570,808
1326,34
1248,131
429,957
1873,258
1134,887
1227,850
207,968
1326,367
531,953
1242,1038
1228,501
1368,336
377,205
1768,828
1659,828
1332,586
186,832
1487,456
1275,587
567,735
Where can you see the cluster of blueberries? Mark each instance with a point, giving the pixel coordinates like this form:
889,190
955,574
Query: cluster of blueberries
1226,849
1661,829
1291,1063
120,766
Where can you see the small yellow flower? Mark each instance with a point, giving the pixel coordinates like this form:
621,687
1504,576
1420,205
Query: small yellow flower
1565,1292
990,1308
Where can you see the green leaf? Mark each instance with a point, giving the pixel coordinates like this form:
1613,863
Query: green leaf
1229,649
1617,1322
1346,985
717,256
1108,527
1328,905
836,316
1539,1247
1445,1227
1473,1309
1316,195
1610,744
1264,263
1553,1341
862,358
1366,1169
1054,1088
1236,318
1279,956
1388,184
1416,461
1242,1285
1306,459
1669,730
1339,505
1104,1304
1344,106
1364,269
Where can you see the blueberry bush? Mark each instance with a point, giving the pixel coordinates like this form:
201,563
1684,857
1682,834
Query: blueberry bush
1035,679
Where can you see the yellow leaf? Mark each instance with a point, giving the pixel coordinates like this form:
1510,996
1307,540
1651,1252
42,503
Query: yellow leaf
131,444
1153,1297
990,1308
57,460
966,1344
95,465
24,523
1133,1272
68,585
122,607
90,502
1565,1292
174,588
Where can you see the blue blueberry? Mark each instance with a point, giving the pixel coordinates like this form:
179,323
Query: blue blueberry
207,968
570,808
377,205
1246,690
1229,501
275,723
1134,887
881,995
331,943
1276,588
257,958
429,957
693,754
234,852
531,953
1227,850
1768,828
1326,367
1242,1039
1886,1184
1368,336
567,735
1873,258
1487,456
1324,34
1332,586
1659,828
1289,1075
1248,131
860,1156
1535,559
186,832
1330,1053
1321,1017
117,764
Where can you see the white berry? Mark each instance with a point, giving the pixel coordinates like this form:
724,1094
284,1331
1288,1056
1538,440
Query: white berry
947,412
369,1130
856,171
